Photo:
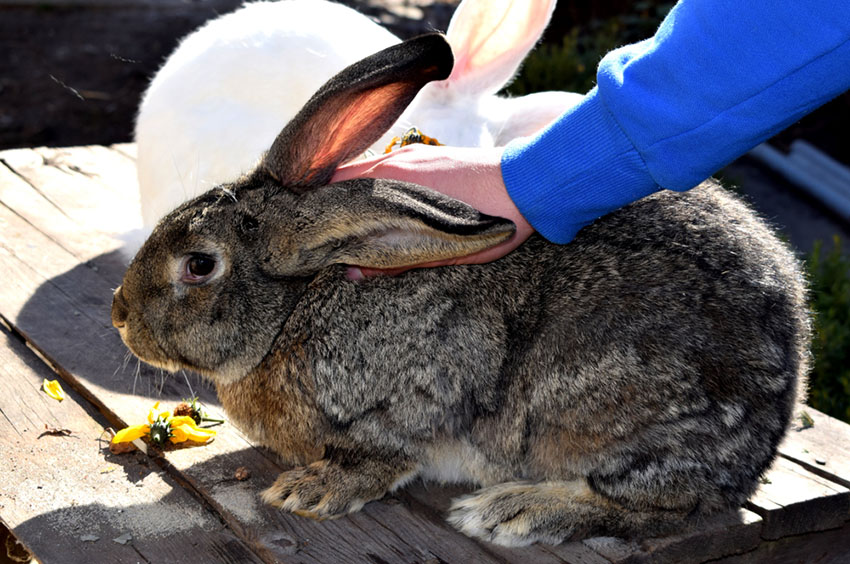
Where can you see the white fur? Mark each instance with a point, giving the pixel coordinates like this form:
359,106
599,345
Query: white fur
222,97
224,94
489,39
490,514
457,462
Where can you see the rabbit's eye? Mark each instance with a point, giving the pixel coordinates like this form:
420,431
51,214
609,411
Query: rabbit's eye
201,266
198,268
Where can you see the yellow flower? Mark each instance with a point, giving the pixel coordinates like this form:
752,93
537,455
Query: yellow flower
131,433
184,428
53,389
153,414
163,426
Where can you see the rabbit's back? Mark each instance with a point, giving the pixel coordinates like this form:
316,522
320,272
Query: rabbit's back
669,340
677,347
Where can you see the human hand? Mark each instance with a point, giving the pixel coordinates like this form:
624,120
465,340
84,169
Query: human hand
470,174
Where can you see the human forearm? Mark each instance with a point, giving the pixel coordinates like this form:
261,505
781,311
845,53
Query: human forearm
719,77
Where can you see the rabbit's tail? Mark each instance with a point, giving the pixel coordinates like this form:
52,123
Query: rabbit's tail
521,513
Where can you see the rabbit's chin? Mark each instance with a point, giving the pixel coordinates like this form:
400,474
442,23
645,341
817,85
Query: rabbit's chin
147,352
169,366
221,376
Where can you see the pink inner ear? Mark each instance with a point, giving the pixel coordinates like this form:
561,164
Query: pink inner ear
490,39
336,137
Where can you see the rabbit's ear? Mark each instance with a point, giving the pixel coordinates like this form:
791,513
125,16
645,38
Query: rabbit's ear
353,109
382,224
490,38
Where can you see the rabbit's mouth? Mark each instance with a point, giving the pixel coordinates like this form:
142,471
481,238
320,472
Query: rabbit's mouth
138,341
147,350
168,364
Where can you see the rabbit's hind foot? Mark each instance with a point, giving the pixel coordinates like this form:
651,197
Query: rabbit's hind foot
326,489
522,513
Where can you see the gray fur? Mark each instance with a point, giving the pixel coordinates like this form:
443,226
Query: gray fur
627,383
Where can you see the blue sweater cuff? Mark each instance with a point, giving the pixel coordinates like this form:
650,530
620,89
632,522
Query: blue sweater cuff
578,169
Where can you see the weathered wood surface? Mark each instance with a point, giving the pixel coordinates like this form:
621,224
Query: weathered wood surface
823,449
793,501
69,500
63,216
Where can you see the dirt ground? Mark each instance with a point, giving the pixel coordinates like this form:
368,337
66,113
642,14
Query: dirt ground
73,75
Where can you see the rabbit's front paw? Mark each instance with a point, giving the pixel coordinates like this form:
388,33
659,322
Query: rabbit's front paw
519,513
325,490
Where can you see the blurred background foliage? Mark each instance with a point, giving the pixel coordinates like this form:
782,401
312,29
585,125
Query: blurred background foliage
568,55
829,383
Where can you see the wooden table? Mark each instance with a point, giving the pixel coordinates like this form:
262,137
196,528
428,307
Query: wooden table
62,494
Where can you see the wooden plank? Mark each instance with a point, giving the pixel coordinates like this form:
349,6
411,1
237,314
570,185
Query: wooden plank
793,501
79,193
33,207
434,501
823,448
720,535
827,547
22,205
112,170
58,490
44,292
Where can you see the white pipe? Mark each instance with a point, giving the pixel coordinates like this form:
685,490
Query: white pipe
814,168
838,173
826,188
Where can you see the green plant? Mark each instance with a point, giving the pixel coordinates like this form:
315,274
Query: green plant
566,67
829,382
571,64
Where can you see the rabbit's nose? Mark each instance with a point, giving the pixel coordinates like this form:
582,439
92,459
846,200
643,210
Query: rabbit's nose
119,309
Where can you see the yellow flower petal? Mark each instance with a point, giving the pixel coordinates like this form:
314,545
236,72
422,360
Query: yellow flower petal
178,435
183,420
131,433
154,413
187,432
187,420
53,389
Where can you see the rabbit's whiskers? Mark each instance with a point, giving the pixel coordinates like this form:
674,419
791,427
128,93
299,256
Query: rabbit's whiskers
136,373
192,393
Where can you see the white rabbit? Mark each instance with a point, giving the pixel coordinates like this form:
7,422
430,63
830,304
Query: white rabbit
222,96
489,39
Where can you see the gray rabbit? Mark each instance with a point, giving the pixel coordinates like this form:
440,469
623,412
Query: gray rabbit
628,383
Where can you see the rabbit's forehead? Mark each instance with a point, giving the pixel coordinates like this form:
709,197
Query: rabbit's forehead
207,218
212,215
191,231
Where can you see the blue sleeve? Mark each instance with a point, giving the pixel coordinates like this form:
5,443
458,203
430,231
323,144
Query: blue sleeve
718,78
